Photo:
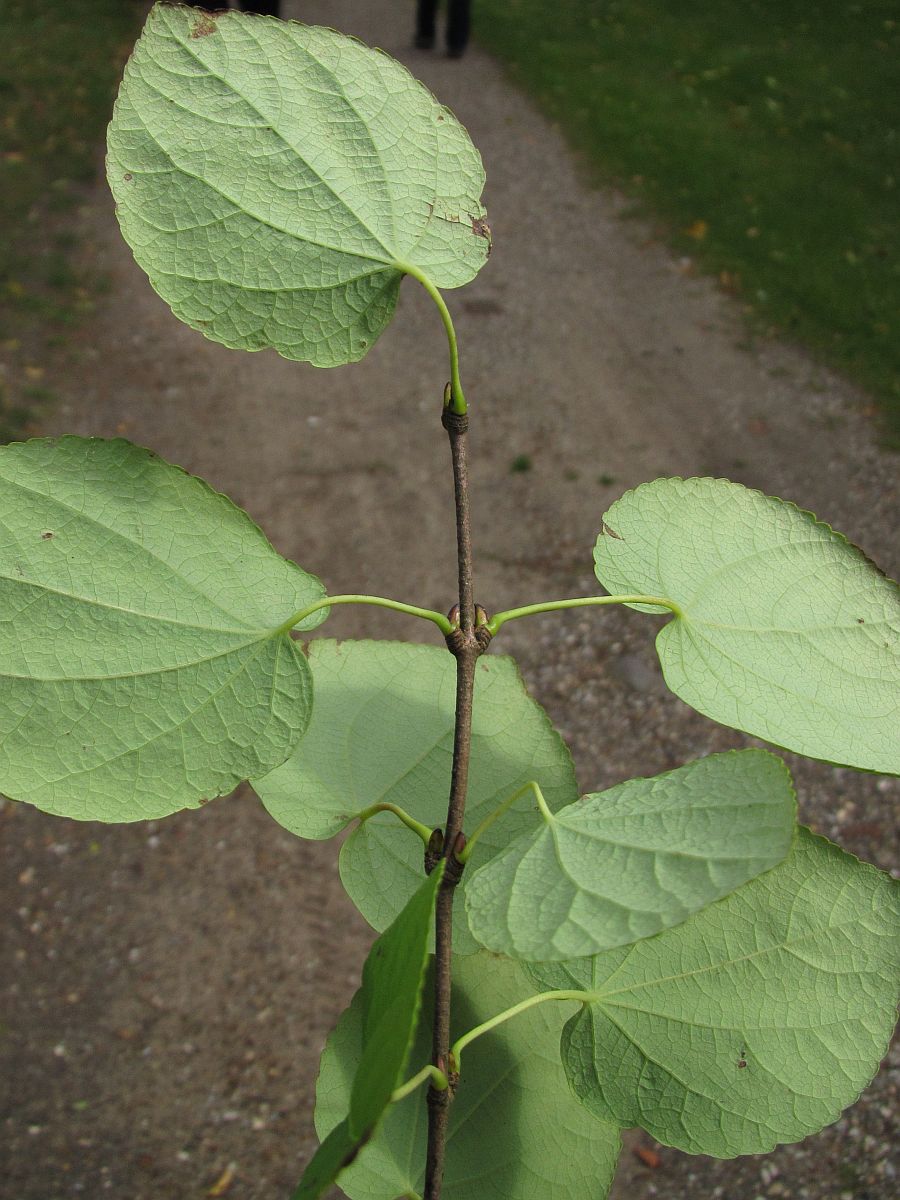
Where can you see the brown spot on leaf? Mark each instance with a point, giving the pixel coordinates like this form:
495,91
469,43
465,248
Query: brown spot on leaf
860,621
608,531
204,27
128,177
481,228
47,535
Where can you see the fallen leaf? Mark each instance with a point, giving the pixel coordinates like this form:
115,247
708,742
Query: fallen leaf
698,230
224,1182
648,1157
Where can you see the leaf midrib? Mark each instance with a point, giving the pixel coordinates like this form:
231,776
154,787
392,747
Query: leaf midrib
139,749
733,856
691,1087
836,709
270,124
789,947
185,666
703,582
92,602
131,544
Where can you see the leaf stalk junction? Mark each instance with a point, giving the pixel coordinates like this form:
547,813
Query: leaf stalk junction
410,822
498,812
439,1081
565,994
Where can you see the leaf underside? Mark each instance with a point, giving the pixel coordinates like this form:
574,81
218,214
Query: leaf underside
619,866
786,630
515,1128
755,1022
141,665
389,1001
274,180
382,732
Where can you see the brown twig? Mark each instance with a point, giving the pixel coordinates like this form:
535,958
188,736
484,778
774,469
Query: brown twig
466,644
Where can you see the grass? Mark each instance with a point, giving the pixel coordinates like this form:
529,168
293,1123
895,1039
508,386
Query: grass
764,133
59,65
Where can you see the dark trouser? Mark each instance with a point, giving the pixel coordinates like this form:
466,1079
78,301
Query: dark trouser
458,22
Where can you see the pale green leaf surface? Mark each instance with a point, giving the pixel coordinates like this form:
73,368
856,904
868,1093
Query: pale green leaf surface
141,665
274,179
382,732
390,1000
755,1022
515,1128
625,863
786,630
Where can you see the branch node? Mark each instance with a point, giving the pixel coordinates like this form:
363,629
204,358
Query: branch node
439,1100
453,868
457,642
434,850
483,637
460,641
455,423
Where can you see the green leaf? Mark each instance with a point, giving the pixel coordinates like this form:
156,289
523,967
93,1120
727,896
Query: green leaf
389,1002
786,630
515,1128
382,732
276,182
144,666
623,864
755,1022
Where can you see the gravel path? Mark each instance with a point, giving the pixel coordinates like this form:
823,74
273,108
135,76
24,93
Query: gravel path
167,987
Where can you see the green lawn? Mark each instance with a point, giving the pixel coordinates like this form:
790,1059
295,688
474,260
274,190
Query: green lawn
59,65
765,133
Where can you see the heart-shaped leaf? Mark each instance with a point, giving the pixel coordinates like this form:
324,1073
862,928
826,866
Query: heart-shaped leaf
389,1002
785,629
276,182
515,1129
144,663
382,732
755,1022
622,865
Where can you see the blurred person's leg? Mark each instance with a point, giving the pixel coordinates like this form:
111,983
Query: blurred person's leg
426,14
458,26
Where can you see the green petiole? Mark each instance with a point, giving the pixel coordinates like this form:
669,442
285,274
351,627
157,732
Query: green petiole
410,822
528,610
460,1044
412,610
438,1079
507,804
457,399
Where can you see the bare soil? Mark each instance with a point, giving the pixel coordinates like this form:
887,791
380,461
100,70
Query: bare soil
167,987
